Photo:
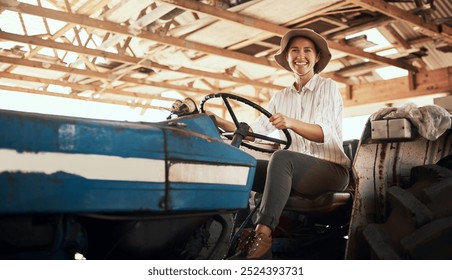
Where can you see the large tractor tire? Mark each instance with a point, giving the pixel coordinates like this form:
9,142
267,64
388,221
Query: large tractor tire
419,223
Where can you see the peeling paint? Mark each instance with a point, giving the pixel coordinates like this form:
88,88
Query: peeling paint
66,137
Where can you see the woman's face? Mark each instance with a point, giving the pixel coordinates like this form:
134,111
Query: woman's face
302,56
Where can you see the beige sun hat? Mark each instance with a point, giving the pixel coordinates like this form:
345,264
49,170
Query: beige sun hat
320,43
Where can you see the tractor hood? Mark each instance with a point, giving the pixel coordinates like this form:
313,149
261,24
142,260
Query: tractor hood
52,164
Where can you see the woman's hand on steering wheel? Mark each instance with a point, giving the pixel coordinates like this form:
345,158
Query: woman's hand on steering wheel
242,130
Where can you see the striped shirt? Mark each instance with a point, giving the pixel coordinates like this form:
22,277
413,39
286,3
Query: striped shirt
318,102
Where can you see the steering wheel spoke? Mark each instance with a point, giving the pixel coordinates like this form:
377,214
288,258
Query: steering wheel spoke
267,138
238,125
231,111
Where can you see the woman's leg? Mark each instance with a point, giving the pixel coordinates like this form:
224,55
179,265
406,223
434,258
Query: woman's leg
286,172
291,171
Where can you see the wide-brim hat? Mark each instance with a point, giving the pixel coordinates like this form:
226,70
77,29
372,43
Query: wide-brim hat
320,43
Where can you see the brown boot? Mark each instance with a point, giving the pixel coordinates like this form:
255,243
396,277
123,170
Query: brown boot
244,240
253,246
260,247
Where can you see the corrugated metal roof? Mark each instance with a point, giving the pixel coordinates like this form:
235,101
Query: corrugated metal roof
443,11
435,58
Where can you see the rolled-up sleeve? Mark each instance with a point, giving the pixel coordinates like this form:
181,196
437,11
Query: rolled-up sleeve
329,110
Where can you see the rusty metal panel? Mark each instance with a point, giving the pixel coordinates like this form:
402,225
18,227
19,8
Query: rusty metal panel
379,165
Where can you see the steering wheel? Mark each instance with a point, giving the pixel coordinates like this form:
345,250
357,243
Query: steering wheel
242,129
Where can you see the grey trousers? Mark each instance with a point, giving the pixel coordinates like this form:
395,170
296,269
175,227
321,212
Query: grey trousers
291,172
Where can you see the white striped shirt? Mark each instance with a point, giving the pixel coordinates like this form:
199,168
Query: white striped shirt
318,102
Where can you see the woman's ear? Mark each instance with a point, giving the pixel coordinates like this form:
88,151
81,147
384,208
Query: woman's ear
317,57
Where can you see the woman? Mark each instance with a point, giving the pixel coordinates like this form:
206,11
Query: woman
311,108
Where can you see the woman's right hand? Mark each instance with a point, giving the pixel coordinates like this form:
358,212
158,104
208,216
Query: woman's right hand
209,113
222,123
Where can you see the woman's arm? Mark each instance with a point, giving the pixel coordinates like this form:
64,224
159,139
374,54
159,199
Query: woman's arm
312,132
222,123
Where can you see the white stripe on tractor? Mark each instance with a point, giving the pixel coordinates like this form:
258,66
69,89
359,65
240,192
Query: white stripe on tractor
208,173
99,167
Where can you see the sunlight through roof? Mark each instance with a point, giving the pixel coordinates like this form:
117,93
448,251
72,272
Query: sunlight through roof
391,72
374,36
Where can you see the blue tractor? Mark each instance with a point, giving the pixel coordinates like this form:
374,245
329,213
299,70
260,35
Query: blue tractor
117,190
178,189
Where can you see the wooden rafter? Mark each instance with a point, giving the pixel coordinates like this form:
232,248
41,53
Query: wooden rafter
56,94
427,82
95,74
429,29
113,77
128,59
279,30
105,76
124,30
396,36
212,11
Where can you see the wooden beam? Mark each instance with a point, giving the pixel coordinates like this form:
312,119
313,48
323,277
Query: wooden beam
128,59
81,87
193,5
124,29
338,78
396,36
383,20
429,29
54,67
56,94
95,89
90,6
446,31
358,69
338,5
427,82
420,40
371,56
99,75
103,76
113,27
223,14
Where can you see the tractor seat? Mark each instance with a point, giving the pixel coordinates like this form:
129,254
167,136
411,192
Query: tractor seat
325,202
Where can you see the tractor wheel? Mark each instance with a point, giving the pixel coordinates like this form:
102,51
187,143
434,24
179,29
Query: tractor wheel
210,241
419,223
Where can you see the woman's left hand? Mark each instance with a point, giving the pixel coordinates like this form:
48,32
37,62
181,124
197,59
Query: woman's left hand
312,132
281,121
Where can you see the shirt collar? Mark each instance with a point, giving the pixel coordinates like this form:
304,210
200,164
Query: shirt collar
310,85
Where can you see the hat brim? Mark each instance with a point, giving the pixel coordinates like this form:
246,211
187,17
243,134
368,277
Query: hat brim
320,43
